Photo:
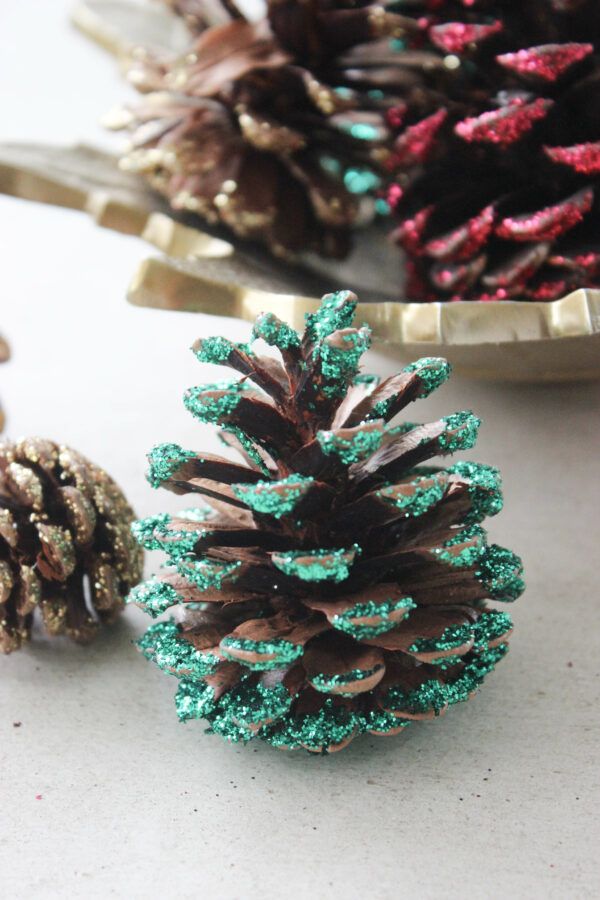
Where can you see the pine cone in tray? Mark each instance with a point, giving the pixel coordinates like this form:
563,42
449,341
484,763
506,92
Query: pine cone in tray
499,168
276,132
66,551
335,582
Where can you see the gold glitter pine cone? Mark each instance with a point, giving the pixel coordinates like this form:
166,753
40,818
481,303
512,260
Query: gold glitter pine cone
335,582
66,549
499,161
278,139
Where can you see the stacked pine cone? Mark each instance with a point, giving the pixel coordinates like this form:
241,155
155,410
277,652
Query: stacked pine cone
275,129
65,545
335,582
499,160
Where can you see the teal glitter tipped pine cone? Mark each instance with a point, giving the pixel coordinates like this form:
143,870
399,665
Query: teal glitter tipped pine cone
67,555
334,581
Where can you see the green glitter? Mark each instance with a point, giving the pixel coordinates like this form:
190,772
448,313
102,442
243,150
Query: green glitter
361,131
430,695
433,695
347,623
154,597
194,700
353,449
340,365
466,426
402,428
473,675
361,180
367,379
445,662
162,645
250,704
214,350
282,652
332,724
500,570
376,720
382,207
164,461
433,372
335,312
318,565
425,496
275,332
274,498
206,573
325,683
248,445
452,637
469,555
154,533
490,626
485,489
211,410
144,530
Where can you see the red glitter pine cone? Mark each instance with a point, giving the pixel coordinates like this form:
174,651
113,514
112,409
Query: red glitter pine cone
335,582
499,163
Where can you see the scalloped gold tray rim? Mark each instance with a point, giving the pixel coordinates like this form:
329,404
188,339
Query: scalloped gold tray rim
508,340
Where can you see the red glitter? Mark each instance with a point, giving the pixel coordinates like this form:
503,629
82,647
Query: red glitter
548,290
517,271
410,231
549,223
548,61
394,195
587,262
395,115
584,158
464,241
455,37
503,126
457,276
416,143
39,797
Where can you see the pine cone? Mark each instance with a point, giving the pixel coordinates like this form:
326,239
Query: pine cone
201,14
504,153
4,355
276,139
333,584
65,543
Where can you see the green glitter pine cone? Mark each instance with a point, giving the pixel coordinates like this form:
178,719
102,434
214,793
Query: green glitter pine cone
66,549
332,584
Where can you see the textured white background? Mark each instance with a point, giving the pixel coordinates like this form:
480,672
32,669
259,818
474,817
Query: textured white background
497,799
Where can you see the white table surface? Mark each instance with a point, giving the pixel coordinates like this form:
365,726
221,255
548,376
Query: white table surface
102,792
